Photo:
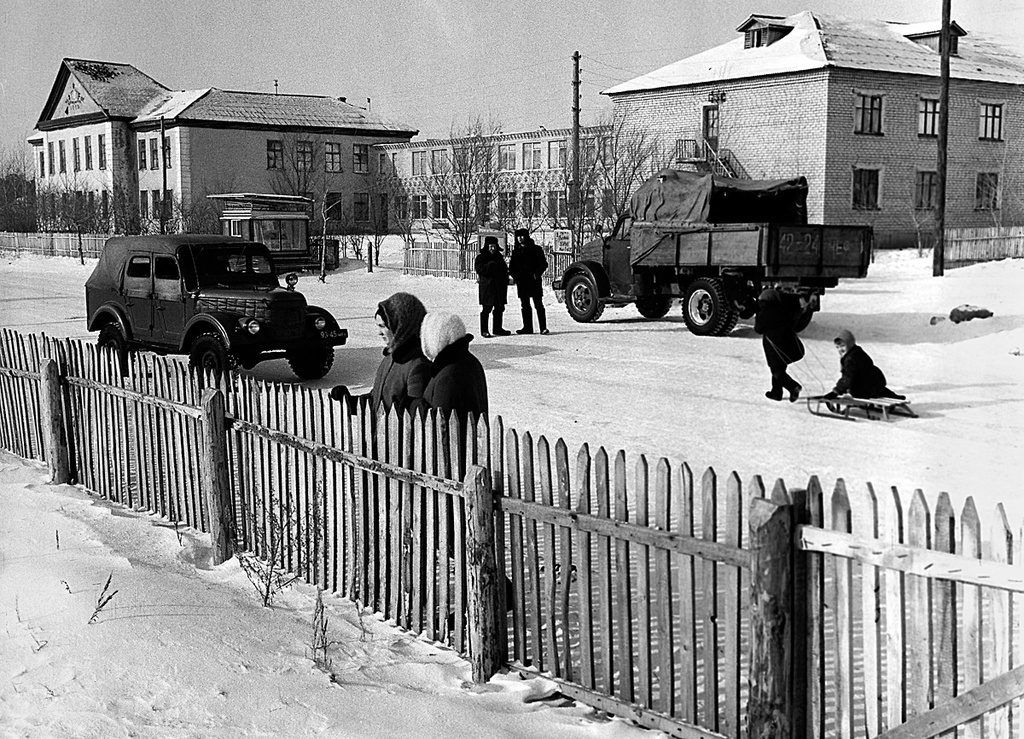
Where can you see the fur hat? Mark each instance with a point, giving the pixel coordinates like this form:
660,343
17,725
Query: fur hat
438,331
402,314
489,240
845,338
769,295
525,233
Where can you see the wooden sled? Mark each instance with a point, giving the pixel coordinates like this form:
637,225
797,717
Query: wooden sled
872,408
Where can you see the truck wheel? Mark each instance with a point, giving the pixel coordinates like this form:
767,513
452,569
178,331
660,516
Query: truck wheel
706,309
312,363
209,353
581,299
653,306
112,338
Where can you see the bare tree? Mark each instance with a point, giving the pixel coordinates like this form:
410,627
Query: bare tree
17,192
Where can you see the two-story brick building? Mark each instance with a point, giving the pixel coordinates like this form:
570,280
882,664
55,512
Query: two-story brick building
853,106
97,147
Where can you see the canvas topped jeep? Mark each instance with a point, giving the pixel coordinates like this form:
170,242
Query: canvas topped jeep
216,298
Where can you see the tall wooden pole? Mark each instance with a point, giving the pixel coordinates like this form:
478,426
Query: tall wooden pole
574,189
939,253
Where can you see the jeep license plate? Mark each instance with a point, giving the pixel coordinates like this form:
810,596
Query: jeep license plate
340,334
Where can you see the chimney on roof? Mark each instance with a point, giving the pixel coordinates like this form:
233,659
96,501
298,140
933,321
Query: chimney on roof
342,98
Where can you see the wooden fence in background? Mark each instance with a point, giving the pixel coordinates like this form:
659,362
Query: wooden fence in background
966,246
53,244
631,580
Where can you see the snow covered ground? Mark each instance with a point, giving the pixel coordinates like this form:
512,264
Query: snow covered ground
184,650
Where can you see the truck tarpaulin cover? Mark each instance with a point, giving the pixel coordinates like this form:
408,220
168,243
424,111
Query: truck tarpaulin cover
677,199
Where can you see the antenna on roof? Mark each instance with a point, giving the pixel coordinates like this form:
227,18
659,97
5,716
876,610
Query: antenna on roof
367,103
275,87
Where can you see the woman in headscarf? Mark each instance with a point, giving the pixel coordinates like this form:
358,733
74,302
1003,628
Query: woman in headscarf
403,372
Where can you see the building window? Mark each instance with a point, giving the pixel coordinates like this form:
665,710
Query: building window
142,154
49,154
990,122
275,154
382,162
556,154
419,163
531,155
166,153
401,207
304,156
155,195
986,193
531,204
868,114
332,157
927,117
105,207
437,162
506,156
483,207
101,150
865,189
440,208
419,207
460,207
76,156
42,162
154,155
88,152
361,207
144,203
557,207
926,190
63,157
589,156
506,204
361,158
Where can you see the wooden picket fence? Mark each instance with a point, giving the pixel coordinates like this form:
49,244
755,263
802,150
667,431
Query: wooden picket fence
439,259
636,585
966,246
53,244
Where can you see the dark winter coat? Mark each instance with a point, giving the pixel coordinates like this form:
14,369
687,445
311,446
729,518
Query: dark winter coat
526,266
776,322
401,377
457,382
493,278
860,377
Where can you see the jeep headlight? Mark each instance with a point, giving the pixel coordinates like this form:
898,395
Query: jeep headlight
291,280
320,322
251,325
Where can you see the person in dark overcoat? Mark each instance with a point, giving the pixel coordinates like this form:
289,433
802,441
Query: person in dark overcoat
526,265
492,276
403,372
457,380
776,322
860,377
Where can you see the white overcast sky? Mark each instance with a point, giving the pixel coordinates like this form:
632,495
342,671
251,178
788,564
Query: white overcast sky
430,63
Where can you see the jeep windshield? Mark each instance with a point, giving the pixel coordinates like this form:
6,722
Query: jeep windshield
232,265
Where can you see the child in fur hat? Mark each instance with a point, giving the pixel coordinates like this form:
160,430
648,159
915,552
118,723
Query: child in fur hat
860,377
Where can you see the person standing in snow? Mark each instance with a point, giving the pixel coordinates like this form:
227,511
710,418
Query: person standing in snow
403,372
776,321
860,377
492,275
526,265
457,381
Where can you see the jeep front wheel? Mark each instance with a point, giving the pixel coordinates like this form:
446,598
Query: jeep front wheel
111,338
707,309
582,300
208,352
312,363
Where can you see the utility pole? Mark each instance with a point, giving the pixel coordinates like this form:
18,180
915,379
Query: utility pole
574,188
275,87
939,252
163,176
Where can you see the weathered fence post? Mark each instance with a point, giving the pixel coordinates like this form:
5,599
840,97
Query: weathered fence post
771,622
55,440
484,620
215,475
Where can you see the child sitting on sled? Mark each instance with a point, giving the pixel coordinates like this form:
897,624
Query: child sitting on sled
860,377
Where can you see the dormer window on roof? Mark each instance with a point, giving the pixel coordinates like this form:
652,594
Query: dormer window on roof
931,37
762,30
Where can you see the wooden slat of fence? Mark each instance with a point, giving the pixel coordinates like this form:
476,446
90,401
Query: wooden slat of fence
513,490
1000,632
395,513
864,521
531,569
565,556
447,443
417,595
732,588
944,597
623,595
814,515
583,586
895,620
643,588
434,460
501,543
605,631
709,602
549,595
971,621
457,517
686,568
919,613
843,576
666,593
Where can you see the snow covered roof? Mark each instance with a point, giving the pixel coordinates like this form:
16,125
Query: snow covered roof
819,41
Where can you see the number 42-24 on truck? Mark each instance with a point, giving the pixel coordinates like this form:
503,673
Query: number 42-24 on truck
714,243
